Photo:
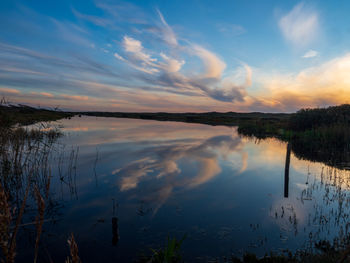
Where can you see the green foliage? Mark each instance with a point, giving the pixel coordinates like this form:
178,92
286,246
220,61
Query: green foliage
169,254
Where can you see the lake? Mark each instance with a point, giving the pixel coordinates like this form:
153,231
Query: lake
137,182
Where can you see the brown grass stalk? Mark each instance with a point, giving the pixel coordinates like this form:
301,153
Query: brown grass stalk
74,257
5,221
39,220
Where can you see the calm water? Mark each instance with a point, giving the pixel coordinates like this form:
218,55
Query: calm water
158,179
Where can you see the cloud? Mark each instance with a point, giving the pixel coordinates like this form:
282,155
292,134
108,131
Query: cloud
204,152
9,91
168,33
93,19
74,97
323,85
166,75
213,66
300,26
164,164
310,54
164,72
170,64
28,60
116,55
139,59
231,29
137,54
122,12
44,94
134,46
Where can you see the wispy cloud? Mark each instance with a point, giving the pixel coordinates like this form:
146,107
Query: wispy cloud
74,97
231,29
99,21
9,91
310,54
137,55
44,94
300,26
168,33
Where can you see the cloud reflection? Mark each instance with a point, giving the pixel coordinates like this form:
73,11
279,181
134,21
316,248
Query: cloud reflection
177,164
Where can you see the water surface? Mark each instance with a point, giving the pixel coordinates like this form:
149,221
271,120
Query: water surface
139,181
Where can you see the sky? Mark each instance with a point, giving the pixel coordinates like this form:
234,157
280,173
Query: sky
175,56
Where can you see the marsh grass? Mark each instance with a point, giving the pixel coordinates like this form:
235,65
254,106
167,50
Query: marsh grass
39,221
171,253
25,157
318,135
73,248
11,115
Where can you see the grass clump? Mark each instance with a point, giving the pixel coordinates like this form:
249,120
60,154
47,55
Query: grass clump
171,253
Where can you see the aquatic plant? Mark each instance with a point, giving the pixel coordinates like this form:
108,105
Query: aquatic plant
25,181
73,248
171,253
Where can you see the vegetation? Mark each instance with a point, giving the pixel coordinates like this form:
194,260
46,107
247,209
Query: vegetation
26,176
170,254
308,119
25,115
211,118
321,134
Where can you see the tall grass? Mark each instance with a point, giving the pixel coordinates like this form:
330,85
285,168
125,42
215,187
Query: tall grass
25,155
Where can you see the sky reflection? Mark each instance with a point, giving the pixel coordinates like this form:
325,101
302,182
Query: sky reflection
220,188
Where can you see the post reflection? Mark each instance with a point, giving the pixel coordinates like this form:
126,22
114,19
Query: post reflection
115,228
286,171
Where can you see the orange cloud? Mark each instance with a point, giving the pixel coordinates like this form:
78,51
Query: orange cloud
9,91
45,94
75,97
326,84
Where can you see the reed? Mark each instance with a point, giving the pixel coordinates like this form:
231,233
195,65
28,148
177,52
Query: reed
73,248
39,221
25,156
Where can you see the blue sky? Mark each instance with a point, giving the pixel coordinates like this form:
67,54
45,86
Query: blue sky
175,55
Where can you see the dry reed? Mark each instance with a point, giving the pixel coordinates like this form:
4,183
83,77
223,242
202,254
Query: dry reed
73,247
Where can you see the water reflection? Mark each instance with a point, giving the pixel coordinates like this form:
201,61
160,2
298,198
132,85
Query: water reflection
227,192
163,165
286,171
115,228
